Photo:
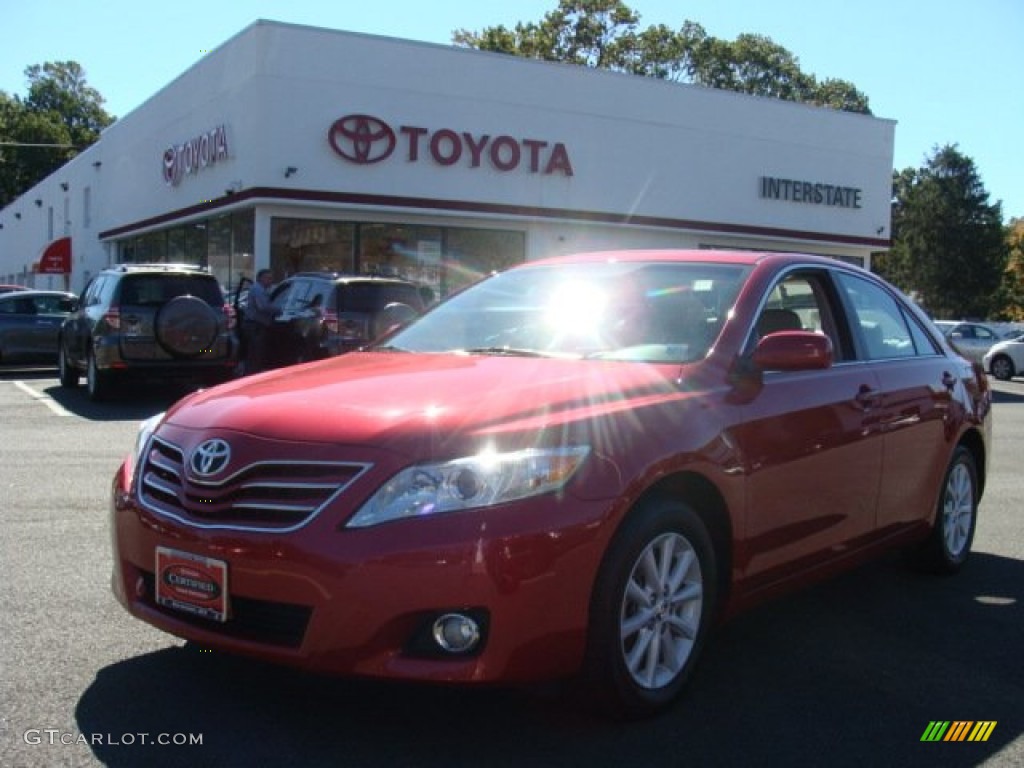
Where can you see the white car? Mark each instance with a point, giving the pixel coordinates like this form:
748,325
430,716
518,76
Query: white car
1005,359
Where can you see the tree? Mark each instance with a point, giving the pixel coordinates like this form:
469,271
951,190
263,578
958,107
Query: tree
949,247
60,116
605,34
1012,290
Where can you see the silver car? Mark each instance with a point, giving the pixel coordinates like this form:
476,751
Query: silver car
30,322
972,340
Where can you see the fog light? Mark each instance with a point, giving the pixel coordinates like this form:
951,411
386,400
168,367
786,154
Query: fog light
456,633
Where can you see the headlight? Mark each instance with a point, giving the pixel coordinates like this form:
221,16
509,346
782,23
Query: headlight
146,430
477,481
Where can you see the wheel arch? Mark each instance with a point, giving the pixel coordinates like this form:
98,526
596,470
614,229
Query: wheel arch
707,501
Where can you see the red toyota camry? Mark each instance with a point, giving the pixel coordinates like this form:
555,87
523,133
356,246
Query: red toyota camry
571,469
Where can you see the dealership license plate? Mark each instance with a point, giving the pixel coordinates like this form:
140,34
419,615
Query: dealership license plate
192,583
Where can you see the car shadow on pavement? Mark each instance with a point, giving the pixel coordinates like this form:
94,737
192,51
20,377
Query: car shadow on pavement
850,672
135,405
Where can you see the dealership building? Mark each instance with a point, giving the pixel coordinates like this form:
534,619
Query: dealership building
298,149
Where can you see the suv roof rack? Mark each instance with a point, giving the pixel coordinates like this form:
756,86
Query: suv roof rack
162,267
351,276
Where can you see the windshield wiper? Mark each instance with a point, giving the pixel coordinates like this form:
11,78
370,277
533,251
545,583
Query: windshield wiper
505,352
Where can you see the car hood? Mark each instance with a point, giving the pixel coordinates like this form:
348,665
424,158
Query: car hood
397,400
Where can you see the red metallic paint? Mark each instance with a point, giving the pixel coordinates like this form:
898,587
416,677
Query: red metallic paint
811,470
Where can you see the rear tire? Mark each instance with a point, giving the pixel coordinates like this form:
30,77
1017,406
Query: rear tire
949,544
97,382
67,372
651,609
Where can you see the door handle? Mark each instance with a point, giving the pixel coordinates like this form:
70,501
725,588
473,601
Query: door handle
866,397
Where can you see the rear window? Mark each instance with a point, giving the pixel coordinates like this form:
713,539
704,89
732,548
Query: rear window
156,290
373,297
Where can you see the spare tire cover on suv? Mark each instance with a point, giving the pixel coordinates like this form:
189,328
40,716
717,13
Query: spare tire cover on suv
186,326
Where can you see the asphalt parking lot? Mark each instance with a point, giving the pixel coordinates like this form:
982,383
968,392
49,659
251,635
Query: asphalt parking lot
850,672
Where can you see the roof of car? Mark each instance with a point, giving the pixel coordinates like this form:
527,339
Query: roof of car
348,277
190,268
704,256
30,292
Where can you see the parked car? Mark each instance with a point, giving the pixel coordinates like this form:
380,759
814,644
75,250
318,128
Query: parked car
973,340
324,314
1005,359
30,324
5,288
157,321
572,468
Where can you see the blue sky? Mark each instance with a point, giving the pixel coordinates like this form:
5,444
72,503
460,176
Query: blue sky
948,72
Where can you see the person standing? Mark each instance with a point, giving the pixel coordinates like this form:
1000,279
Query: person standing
259,315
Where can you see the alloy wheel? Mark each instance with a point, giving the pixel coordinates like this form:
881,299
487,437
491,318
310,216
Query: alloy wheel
661,611
958,509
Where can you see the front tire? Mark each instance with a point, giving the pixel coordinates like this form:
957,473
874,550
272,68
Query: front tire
1002,368
949,545
651,609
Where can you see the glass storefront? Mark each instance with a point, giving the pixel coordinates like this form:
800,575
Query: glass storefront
222,243
442,258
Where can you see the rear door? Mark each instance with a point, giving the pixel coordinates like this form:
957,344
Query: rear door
48,316
77,330
914,397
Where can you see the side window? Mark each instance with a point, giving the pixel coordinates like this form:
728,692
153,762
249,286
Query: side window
298,298
985,335
800,302
878,322
47,305
92,292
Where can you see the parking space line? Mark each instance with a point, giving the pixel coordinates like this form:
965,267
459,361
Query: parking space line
45,399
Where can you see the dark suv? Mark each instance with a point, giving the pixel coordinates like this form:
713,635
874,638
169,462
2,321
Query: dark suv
164,321
326,313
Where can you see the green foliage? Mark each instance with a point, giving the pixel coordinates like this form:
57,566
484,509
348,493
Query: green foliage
949,247
1011,292
605,34
59,109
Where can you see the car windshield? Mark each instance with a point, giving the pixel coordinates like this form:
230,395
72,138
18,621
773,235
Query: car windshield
632,311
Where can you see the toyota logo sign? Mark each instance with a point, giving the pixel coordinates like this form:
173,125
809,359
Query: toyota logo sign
362,139
210,457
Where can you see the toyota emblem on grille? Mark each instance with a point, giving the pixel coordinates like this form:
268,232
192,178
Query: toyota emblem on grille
210,457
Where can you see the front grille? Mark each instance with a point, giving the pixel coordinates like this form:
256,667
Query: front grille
260,621
269,495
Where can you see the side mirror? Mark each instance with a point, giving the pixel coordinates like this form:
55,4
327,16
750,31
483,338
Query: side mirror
793,351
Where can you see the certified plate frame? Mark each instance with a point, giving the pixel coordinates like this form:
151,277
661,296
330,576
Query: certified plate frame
192,583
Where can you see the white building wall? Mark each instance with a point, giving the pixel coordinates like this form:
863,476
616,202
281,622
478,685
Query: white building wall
682,163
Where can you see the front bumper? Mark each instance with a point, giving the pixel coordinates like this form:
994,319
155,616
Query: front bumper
355,602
